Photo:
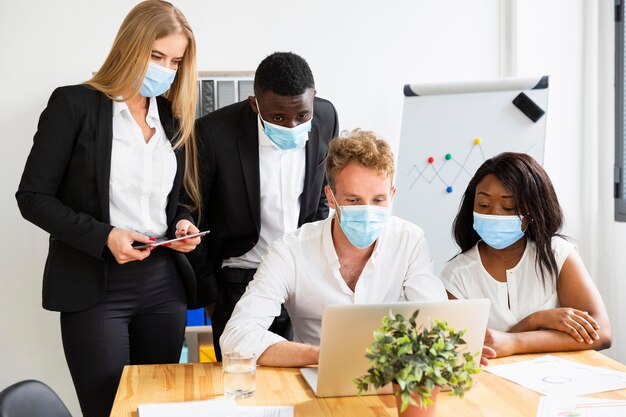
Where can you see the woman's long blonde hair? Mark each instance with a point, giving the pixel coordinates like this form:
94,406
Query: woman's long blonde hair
128,61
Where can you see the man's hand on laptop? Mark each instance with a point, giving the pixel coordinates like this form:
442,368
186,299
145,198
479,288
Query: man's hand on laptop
488,353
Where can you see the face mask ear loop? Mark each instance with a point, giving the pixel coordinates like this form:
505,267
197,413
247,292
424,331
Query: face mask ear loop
259,110
528,224
337,210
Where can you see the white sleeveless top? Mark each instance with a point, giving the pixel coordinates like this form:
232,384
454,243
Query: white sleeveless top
524,292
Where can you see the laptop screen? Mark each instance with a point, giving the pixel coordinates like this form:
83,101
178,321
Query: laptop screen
347,330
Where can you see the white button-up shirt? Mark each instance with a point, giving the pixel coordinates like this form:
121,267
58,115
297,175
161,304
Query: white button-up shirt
522,294
282,184
142,174
301,270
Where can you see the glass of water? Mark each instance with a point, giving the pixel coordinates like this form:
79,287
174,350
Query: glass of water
239,372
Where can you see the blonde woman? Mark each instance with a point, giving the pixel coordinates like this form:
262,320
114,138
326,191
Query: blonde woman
109,160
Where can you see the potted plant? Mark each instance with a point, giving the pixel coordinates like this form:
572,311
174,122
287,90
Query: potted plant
418,361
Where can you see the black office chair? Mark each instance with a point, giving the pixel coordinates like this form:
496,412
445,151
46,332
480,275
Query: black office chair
31,398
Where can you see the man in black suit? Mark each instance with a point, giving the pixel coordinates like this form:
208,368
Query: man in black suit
262,175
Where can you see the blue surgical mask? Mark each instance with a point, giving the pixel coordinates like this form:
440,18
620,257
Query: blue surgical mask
157,81
286,137
362,225
499,232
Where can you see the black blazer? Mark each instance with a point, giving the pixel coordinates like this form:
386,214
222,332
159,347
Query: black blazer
65,191
231,190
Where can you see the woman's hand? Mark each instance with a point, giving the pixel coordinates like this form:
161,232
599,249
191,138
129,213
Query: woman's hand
120,243
502,342
185,227
576,323
488,353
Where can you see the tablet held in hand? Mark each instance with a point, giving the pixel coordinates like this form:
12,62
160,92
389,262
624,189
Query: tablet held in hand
164,240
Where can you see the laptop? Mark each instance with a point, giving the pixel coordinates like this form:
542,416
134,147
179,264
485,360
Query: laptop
347,330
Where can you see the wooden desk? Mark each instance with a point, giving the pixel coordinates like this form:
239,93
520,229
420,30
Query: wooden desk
491,397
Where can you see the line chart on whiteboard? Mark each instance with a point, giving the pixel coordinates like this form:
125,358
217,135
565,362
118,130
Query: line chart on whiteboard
431,171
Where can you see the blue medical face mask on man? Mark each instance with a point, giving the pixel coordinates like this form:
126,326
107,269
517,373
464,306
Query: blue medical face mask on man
499,232
362,225
157,81
286,137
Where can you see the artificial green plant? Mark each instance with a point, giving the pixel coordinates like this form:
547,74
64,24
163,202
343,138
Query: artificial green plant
417,360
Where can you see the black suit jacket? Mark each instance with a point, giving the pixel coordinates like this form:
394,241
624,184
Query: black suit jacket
231,190
65,191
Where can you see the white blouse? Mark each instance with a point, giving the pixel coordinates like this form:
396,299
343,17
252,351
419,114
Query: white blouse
142,174
521,295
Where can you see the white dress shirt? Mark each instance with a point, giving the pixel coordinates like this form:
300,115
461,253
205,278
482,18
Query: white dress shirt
282,184
301,270
142,174
522,294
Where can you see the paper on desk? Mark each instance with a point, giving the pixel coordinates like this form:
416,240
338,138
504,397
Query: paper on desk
550,375
262,411
222,407
580,407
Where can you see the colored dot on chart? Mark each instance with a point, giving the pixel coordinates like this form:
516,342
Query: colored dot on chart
448,156
477,141
431,160
449,189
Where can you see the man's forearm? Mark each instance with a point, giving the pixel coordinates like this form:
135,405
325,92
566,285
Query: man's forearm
289,354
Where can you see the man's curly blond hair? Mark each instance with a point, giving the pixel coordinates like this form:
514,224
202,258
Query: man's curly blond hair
361,147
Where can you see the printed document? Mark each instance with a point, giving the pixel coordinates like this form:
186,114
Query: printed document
550,375
580,407
223,407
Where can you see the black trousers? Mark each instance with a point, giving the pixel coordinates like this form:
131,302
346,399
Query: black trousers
232,285
141,320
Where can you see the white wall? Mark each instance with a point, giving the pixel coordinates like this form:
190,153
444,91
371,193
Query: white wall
550,43
609,254
361,53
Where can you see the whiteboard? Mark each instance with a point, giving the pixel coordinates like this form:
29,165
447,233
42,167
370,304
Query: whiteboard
448,131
